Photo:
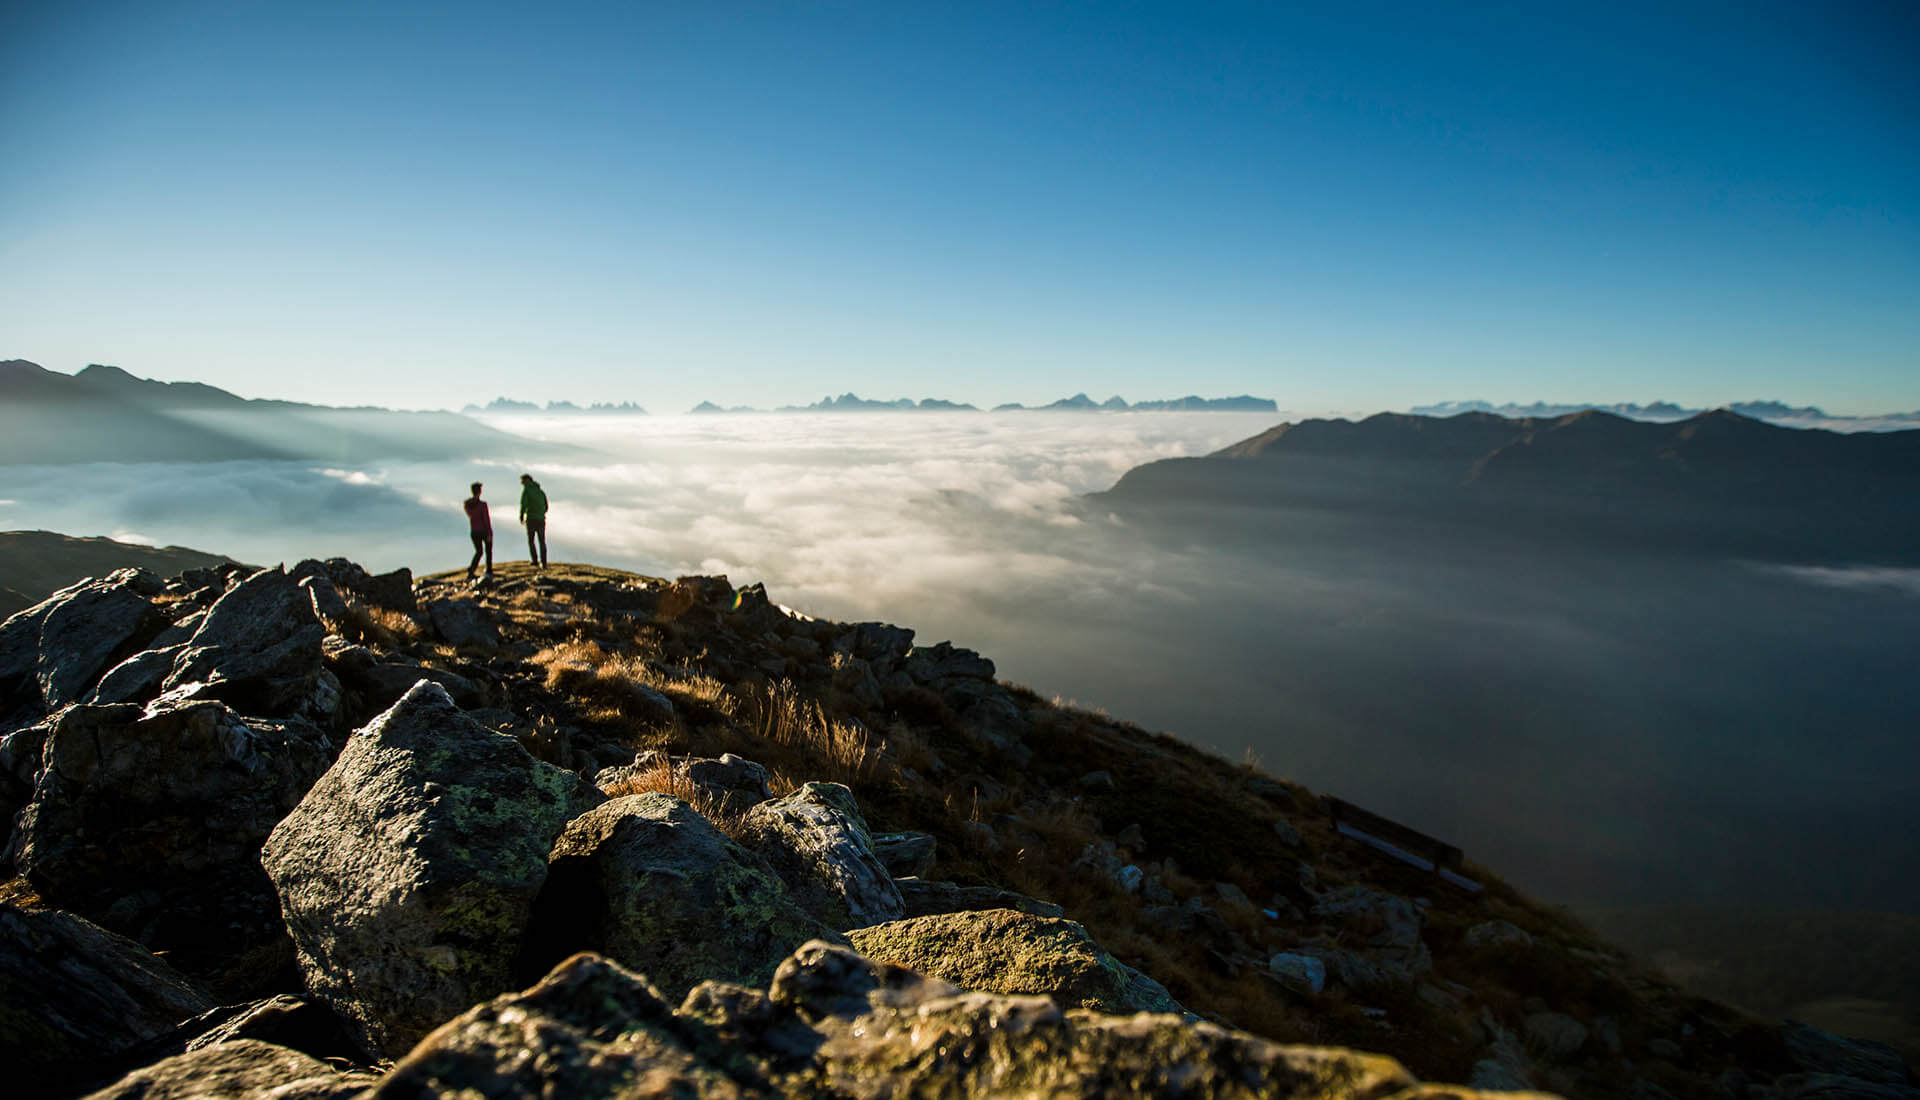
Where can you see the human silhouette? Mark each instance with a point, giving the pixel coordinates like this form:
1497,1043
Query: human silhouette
480,526
533,513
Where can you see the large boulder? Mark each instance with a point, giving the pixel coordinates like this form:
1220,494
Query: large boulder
52,652
258,647
834,1024
818,843
1006,951
408,873
463,623
244,1069
92,627
655,886
73,997
151,822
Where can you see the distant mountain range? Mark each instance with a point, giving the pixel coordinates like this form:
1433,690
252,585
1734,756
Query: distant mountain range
1079,402
1715,481
104,414
1772,411
508,405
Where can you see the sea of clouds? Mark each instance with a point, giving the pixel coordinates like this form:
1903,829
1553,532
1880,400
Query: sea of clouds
1604,729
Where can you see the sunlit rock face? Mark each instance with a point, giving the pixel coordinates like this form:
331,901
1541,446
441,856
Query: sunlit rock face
408,873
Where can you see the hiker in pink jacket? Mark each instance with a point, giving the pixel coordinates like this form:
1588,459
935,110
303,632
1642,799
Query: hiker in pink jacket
480,525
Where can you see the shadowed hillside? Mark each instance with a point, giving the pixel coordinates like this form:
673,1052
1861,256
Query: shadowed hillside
757,815
35,564
104,414
1717,482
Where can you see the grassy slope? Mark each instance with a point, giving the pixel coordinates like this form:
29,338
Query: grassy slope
769,694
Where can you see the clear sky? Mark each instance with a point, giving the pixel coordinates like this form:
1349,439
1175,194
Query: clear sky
423,205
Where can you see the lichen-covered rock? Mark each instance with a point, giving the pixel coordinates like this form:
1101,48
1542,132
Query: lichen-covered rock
836,1025
650,883
258,647
1005,951
138,817
244,1069
818,843
408,873
589,1029
74,996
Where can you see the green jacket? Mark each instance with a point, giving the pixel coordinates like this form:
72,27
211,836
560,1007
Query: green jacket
533,503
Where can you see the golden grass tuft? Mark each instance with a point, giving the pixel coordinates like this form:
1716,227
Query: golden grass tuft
778,715
662,777
382,626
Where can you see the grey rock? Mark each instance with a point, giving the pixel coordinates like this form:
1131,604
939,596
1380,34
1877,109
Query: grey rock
462,623
1007,951
1388,924
1097,781
905,855
944,662
138,678
408,873
817,841
86,632
1555,1034
650,883
1288,835
1499,937
925,897
1129,879
1833,1086
172,803
74,997
327,602
880,643
836,1024
736,781
1300,973
259,647
244,1069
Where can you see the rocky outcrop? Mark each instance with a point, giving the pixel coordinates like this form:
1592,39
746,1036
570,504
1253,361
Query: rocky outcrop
818,843
51,653
151,822
408,873
1006,951
836,1025
647,881
74,997
258,648
462,624
244,1069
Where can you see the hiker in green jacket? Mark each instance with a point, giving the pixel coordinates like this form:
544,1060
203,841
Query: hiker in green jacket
533,513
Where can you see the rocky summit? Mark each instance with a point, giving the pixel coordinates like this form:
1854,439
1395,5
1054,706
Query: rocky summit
311,832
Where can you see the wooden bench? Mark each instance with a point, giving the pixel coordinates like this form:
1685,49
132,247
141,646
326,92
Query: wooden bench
1410,846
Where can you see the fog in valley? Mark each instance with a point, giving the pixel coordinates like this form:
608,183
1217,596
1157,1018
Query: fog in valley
1599,727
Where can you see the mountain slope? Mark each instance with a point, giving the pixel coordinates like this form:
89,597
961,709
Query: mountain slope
35,564
104,414
1717,481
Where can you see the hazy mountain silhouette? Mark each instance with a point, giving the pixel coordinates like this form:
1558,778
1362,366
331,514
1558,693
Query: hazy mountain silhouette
104,414
1774,411
1716,481
35,564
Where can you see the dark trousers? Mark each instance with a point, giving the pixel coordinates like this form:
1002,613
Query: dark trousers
482,544
537,527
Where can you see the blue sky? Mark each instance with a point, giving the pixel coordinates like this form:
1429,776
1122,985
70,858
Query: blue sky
425,205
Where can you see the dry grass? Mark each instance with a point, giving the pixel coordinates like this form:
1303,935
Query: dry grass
778,715
663,778
382,626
